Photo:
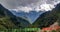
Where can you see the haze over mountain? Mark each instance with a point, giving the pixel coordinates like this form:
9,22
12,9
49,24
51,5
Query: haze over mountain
31,16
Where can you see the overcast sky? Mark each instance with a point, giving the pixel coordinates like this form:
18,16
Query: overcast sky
13,4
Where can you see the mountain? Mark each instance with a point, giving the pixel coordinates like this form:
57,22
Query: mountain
10,21
48,18
31,16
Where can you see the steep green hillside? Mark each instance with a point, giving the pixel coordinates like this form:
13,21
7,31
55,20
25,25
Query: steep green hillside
48,18
10,21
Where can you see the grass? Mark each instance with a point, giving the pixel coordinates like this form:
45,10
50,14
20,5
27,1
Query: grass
26,30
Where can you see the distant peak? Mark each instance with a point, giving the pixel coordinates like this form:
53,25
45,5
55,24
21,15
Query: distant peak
0,4
58,6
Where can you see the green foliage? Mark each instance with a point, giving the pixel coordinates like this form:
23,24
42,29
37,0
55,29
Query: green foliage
54,31
10,21
21,30
6,23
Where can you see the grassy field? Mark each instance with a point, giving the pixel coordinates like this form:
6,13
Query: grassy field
28,30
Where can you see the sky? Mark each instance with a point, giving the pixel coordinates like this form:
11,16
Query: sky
29,5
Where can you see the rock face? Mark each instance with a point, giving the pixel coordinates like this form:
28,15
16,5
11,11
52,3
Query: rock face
9,21
48,18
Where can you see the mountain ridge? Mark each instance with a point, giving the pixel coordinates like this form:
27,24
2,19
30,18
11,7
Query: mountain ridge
48,18
31,16
10,21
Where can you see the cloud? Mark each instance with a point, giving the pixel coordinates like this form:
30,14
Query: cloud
28,5
14,3
26,9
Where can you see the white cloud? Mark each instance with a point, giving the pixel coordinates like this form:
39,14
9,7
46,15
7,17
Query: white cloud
28,5
21,8
42,7
26,9
46,7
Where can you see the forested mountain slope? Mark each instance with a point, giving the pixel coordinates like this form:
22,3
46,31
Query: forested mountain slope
10,21
48,18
